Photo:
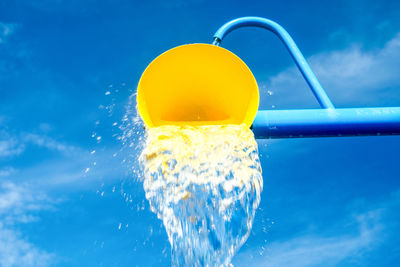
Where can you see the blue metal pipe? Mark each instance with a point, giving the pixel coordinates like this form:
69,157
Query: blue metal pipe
313,122
327,122
294,51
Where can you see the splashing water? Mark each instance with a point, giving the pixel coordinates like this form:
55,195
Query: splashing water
204,183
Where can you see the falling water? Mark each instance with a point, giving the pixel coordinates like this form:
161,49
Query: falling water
204,183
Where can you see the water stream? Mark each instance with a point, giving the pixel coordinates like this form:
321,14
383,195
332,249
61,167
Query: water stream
204,183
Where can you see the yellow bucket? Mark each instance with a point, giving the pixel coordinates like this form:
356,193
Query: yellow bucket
197,84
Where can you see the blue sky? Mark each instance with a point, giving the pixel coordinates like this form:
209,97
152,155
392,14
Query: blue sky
326,202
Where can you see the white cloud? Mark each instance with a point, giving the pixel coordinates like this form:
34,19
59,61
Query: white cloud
66,170
47,142
6,29
15,251
18,204
320,250
7,171
369,224
325,251
349,75
13,145
21,200
69,172
10,147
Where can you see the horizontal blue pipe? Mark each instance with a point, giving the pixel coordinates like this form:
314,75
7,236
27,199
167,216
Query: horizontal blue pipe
327,122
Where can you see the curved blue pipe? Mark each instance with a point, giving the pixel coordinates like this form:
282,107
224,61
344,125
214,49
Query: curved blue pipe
313,122
294,51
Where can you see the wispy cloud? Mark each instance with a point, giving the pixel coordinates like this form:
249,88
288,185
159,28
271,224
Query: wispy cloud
79,169
10,147
22,201
16,251
18,204
6,29
320,250
7,171
326,251
365,229
15,144
74,165
47,142
351,75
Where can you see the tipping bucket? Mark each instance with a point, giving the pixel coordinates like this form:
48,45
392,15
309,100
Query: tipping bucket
197,84
203,84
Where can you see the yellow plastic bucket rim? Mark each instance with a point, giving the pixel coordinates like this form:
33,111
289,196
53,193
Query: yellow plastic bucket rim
240,73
